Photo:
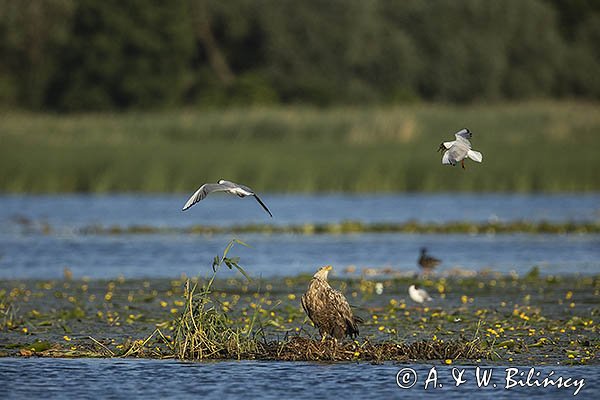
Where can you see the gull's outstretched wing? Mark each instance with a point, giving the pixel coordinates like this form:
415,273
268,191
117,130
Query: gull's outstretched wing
463,133
446,158
249,191
204,191
236,188
447,145
229,184
475,155
262,204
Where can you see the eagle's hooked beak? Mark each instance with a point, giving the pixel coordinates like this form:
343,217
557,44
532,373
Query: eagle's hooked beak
328,268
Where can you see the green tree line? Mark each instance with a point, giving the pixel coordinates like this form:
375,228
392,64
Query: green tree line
75,55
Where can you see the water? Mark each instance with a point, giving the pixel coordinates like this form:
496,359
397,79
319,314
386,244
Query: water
140,379
25,252
73,211
40,256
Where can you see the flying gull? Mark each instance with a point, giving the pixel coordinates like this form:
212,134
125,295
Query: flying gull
223,186
457,150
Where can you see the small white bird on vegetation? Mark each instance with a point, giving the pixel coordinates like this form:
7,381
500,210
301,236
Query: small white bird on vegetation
223,186
418,294
457,150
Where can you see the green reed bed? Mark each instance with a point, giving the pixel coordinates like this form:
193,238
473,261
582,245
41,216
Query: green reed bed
537,146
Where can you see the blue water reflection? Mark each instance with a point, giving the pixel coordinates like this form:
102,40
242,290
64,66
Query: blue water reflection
140,379
76,211
28,250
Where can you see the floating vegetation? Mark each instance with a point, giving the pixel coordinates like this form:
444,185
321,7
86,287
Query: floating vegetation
305,349
8,312
498,318
204,331
348,227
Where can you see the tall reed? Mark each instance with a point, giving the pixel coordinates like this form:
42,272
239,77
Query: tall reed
204,330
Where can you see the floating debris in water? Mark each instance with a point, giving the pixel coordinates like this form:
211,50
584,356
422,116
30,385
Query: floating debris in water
347,227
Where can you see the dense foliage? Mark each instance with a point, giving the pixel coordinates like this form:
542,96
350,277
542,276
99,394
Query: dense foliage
108,54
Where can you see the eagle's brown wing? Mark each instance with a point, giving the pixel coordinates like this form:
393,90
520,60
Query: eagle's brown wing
305,306
338,300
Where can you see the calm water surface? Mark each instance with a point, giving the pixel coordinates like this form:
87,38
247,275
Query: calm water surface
139,379
26,252
75,211
42,256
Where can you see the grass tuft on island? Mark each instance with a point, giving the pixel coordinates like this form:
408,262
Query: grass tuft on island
297,348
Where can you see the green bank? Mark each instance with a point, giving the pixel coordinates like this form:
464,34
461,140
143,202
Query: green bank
527,147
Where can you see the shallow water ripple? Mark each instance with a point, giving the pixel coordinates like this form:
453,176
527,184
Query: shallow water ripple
133,379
